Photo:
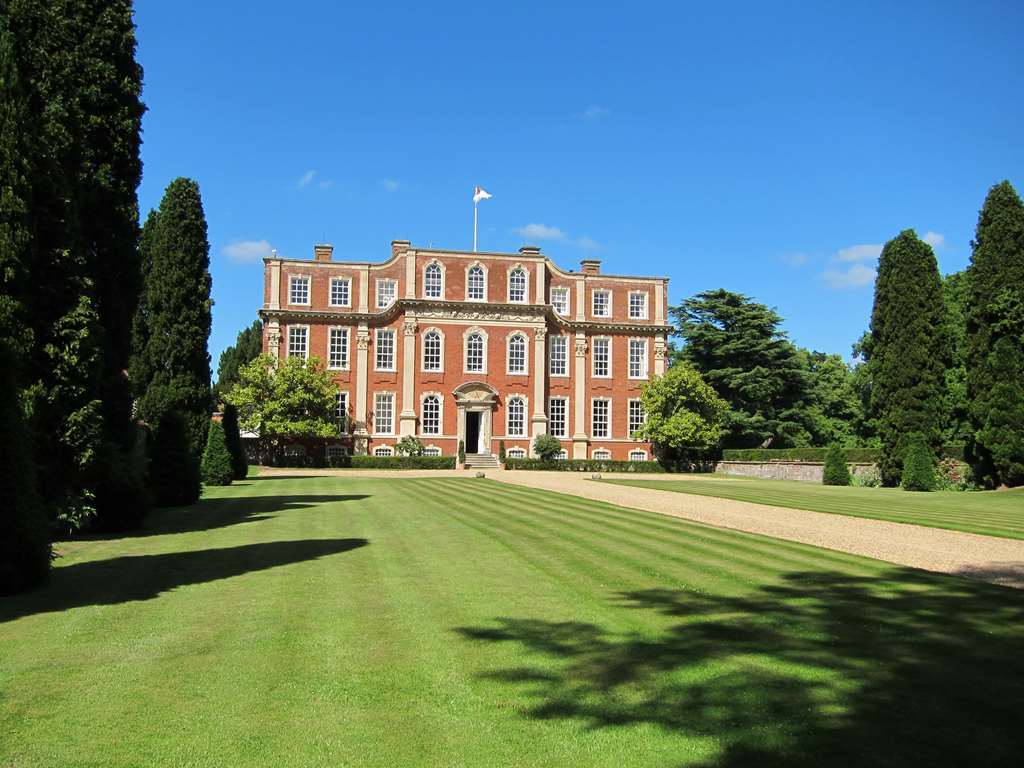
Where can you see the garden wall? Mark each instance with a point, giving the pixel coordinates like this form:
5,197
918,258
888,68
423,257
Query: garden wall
805,471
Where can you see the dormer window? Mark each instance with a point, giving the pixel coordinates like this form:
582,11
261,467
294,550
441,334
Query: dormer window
601,303
387,293
517,286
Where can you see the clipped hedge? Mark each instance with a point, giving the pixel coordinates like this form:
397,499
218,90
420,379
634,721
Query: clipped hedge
817,455
393,462
584,465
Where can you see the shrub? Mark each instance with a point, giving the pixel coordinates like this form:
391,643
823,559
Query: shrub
239,461
462,453
869,478
501,451
851,455
409,446
122,498
174,467
390,462
216,467
546,447
953,475
918,465
836,472
584,465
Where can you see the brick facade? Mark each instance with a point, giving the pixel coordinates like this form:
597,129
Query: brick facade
491,378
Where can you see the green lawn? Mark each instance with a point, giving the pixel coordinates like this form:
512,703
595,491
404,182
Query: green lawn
994,513
310,621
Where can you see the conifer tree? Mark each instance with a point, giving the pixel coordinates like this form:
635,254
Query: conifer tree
247,347
994,340
239,461
174,467
216,465
835,472
908,350
171,367
918,464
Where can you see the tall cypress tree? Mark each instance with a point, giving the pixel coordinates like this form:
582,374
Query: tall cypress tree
994,340
171,368
908,350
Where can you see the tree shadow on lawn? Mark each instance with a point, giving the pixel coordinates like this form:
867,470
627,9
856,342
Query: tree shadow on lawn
143,577
824,669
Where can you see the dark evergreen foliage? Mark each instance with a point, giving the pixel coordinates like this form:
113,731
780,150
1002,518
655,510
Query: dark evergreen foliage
956,426
216,465
918,464
908,350
171,366
239,461
174,474
247,347
501,451
994,339
737,347
462,453
835,471
24,533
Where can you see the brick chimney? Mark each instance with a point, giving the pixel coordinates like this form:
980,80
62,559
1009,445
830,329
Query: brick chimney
322,252
591,266
530,250
399,246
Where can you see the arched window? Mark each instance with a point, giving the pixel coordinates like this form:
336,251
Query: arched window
602,453
516,417
430,420
517,285
476,284
382,450
475,353
638,455
432,281
517,354
432,351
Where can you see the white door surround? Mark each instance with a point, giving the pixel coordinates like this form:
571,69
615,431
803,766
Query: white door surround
476,397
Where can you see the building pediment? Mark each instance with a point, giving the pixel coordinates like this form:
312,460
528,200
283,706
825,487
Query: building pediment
475,393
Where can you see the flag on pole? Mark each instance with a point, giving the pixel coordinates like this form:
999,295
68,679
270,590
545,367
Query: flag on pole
479,193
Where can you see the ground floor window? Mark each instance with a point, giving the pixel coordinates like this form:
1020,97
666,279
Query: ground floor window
637,417
382,450
516,416
599,417
638,455
430,421
384,413
557,419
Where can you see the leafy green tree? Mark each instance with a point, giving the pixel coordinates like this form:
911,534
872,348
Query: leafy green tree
171,367
546,447
409,446
908,350
994,338
174,473
276,400
956,425
216,465
918,464
683,411
736,346
834,412
835,472
24,534
248,346
239,460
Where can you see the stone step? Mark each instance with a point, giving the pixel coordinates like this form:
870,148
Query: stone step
482,460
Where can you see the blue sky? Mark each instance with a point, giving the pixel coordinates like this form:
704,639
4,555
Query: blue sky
767,150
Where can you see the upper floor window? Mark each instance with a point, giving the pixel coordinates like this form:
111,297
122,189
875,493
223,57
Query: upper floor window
517,285
516,417
432,351
638,305
558,353
476,284
602,358
430,421
337,348
387,292
517,354
601,303
385,349
475,357
341,295
560,300
638,358
298,290
298,341
432,281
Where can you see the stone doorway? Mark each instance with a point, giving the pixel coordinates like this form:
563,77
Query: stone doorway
476,402
473,432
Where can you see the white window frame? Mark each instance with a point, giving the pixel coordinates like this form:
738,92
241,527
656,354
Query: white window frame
465,349
377,400
347,336
594,359
381,282
508,416
431,450
292,281
608,418
564,291
508,354
516,453
643,295
564,434
593,295
644,371
483,270
383,450
562,455
526,285
562,341
631,403
341,408
380,332
423,351
348,292
440,267
423,414
305,341
601,454
638,455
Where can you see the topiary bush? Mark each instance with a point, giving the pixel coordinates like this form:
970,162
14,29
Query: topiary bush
462,453
546,447
501,451
233,436
918,464
216,466
836,472
409,446
174,467
584,465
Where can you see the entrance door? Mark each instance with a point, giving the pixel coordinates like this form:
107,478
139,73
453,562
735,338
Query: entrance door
472,431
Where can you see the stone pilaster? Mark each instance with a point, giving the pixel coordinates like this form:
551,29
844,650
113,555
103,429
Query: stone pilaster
660,355
539,420
407,418
275,284
362,371
274,338
364,289
579,435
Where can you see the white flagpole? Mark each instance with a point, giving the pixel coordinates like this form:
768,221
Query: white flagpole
474,225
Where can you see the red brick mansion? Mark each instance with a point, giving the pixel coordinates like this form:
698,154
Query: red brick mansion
480,347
